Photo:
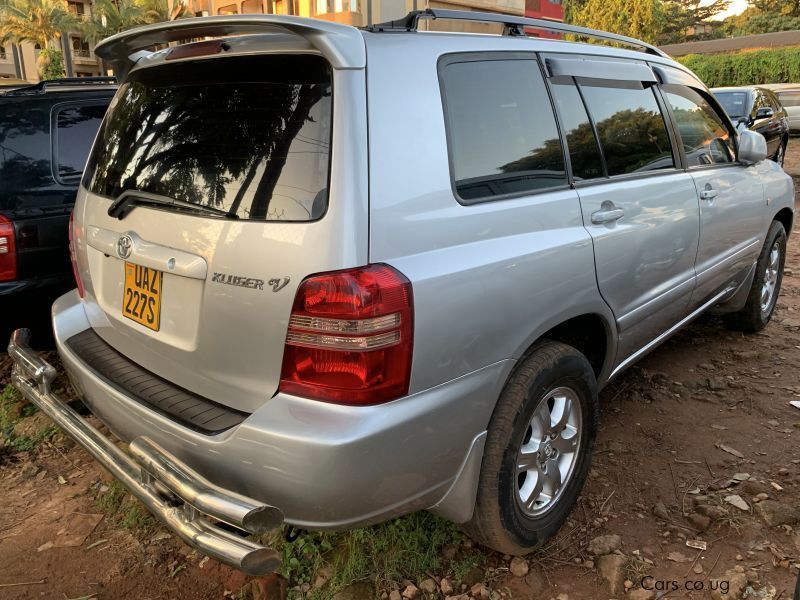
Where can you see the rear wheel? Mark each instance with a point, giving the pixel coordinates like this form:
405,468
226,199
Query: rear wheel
766,284
538,450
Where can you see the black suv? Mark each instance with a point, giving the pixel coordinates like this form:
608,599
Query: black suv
758,109
46,131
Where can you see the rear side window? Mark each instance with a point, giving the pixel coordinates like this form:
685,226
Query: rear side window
705,138
630,125
246,136
75,129
501,129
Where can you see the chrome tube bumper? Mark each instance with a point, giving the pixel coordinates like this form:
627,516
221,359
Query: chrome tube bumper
179,497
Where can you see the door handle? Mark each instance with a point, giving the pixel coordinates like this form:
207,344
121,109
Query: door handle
709,193
608,213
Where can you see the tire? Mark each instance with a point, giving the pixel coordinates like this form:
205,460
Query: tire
756,312
780,153
554,370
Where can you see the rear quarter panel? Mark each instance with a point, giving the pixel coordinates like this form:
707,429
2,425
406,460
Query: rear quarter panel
488,278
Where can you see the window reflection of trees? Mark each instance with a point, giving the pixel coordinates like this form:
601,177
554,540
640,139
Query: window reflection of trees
212,144
632,140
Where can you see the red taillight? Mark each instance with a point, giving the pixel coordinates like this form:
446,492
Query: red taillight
8,250
350,337
73,257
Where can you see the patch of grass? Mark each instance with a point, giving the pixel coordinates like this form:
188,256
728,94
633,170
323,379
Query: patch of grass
123,510
29,442
404,548
9,409
635,569
12,411
461,567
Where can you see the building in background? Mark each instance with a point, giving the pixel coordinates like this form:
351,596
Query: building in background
19,61
359,13
544,9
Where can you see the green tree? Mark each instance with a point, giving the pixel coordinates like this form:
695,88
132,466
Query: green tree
39,21
681,15
110,17
642,19
754,21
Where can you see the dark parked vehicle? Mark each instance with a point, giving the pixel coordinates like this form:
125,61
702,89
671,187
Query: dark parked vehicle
46,131
758,109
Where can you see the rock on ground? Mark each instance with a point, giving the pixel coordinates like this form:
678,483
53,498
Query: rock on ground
610,567
605,544
641,594
736,586
776,513
518,566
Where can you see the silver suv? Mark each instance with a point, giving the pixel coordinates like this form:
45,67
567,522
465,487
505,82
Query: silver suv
328,276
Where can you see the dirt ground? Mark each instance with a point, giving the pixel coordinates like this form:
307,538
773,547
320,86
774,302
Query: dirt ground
701,423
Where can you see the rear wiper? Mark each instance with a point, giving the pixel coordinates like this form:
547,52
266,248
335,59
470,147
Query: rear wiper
127,200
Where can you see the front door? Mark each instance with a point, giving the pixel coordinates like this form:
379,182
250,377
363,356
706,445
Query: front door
731,197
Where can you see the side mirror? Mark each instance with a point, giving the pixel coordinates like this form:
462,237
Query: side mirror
752,147
764,112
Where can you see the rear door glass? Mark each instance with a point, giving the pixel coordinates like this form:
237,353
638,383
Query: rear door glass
584,152
247,136
501,129
74,130
630,125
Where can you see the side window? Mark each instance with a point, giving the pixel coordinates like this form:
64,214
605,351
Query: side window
584,152
630,125
73,133
501,129
705,138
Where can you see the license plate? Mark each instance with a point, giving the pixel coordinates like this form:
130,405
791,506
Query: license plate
141,300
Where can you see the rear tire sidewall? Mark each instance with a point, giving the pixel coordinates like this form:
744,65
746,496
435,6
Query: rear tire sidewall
533,531
551,366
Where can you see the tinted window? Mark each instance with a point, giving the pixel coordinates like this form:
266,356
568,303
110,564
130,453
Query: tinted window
584,153
789,98
734,103
76,127
248,136
502,131
24,146
705,138
631,127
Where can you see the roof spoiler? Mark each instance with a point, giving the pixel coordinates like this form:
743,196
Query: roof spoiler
342,45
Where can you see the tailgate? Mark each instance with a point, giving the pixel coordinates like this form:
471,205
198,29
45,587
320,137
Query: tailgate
214,188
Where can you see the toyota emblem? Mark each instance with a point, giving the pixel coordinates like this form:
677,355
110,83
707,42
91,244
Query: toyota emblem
124,246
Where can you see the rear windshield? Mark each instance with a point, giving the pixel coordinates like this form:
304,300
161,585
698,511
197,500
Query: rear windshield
734,103
249,136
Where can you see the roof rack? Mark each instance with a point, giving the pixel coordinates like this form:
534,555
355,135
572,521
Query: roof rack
65,82
512,26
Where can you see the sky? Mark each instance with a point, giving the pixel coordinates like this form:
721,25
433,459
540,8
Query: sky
735,7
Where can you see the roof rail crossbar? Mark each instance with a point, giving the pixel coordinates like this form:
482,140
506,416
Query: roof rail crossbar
512,26
46,84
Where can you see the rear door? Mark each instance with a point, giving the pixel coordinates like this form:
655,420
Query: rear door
731,195
638,205
214,188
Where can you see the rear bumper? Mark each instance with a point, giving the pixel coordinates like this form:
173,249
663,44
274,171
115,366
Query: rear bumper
181,498
324,466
